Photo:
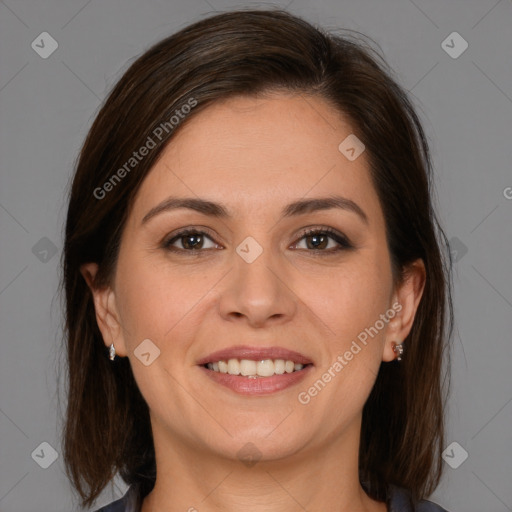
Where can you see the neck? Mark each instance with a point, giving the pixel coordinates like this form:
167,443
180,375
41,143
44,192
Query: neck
316,478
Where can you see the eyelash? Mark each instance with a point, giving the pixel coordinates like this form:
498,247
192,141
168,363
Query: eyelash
344,243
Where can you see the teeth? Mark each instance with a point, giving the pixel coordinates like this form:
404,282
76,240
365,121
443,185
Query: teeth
233,367
247,367
254,369
279,365
265,368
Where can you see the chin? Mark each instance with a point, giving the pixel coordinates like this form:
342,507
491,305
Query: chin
256,444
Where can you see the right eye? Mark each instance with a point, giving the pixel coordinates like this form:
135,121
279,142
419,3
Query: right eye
191,240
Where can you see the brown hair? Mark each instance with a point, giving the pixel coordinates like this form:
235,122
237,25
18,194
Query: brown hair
107,427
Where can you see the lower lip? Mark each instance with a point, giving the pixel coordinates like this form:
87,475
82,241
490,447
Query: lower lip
260,385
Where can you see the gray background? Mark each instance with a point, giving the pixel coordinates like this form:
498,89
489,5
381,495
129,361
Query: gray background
47,106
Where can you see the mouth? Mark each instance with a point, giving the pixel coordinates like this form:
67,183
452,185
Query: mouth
256,370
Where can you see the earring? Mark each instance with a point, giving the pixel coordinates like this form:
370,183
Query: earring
112,352
399,350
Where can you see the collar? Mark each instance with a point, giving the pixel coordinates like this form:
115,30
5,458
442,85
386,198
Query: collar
398,500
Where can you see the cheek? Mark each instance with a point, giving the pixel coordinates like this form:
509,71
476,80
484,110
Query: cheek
160,301
164,304
354,352
352,297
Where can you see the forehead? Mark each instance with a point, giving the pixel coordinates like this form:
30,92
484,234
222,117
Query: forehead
256,154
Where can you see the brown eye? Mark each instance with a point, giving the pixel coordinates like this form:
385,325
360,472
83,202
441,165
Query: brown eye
319,239
190,240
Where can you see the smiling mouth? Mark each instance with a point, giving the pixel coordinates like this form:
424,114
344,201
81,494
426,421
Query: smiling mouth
254,369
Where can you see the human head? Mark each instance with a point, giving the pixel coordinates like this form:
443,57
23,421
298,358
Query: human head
251,54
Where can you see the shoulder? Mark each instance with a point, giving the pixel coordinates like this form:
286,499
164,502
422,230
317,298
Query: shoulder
128,503
400,501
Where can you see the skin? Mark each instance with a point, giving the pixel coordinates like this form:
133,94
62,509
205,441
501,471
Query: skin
256,155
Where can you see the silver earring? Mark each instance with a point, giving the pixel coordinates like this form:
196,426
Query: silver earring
112,352
399,350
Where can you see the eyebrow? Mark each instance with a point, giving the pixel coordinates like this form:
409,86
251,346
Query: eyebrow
299,207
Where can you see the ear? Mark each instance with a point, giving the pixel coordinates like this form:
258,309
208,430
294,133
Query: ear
406,299
107,315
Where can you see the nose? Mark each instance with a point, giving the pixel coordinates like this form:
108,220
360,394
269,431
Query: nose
258,292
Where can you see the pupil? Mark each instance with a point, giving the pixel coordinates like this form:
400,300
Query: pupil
195,241
316,237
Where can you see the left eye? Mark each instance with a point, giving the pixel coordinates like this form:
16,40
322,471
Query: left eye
317,240
320,240
193,240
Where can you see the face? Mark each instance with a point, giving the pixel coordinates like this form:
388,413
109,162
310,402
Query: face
259,285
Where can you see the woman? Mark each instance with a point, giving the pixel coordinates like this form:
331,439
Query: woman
256,296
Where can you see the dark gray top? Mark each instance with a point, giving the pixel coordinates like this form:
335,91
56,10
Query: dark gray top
399,500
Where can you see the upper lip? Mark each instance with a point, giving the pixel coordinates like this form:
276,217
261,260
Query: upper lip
255,354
